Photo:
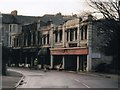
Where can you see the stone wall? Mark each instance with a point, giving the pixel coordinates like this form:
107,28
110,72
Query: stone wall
98,41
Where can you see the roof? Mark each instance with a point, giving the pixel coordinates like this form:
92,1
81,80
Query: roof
26,19
7,18
56,19
19,19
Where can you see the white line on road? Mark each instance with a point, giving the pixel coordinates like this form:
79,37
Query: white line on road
82,83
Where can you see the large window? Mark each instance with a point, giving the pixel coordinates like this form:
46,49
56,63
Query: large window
71,34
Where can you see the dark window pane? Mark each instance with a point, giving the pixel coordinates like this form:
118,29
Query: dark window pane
60,35
71,35
82,34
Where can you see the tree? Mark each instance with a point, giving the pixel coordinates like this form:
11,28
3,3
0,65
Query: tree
111,11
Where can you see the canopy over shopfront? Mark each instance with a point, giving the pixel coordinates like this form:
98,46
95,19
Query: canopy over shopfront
43,51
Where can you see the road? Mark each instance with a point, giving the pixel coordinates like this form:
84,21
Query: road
62,79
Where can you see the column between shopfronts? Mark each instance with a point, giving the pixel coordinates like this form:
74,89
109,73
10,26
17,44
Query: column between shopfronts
77,63
63,61
51,61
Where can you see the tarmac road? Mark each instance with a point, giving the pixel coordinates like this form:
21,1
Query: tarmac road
62,79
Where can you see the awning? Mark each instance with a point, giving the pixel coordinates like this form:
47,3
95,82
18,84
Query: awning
43,51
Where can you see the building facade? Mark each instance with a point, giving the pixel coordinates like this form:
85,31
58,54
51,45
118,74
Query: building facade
75,44
55,40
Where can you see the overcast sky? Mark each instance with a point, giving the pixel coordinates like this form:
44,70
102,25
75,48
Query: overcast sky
41,7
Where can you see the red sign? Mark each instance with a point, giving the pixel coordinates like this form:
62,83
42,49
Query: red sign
69,51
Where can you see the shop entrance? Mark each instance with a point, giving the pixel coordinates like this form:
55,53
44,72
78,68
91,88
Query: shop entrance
70,62
83,62
57,61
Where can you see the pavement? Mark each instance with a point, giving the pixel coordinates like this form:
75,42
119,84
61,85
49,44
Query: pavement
11,80
103,75
106,75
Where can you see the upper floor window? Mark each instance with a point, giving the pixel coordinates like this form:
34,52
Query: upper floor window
3,31
44,40
10,28
39,40
84,32
13,28
34,37
47,38
60,35
10,40
75,33
56,36
71,35
67,36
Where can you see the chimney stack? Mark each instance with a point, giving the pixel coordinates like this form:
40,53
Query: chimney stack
14,13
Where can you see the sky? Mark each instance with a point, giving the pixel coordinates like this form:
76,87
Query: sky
41,7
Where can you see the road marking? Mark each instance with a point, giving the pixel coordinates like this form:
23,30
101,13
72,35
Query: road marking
86,85
82,83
